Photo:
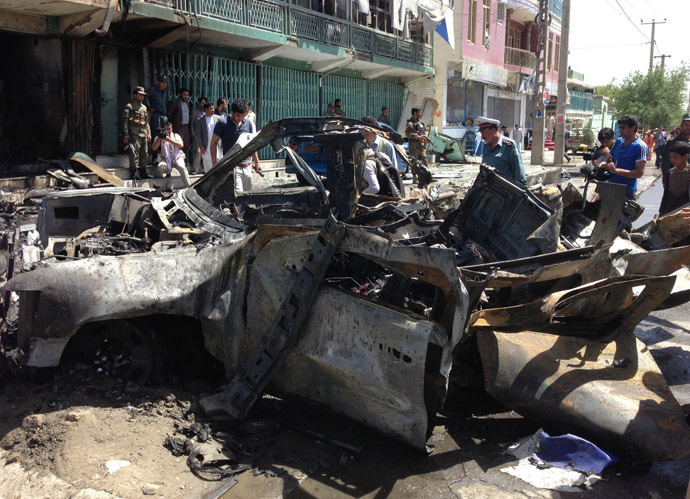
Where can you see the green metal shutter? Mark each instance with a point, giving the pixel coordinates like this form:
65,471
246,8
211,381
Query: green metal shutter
208,76
351,91
390,95
286,93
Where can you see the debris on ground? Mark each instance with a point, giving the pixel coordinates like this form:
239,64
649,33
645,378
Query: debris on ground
365,305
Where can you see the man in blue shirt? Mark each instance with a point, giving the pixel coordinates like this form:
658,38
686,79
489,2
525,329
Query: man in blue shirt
628,156
499,151
227,131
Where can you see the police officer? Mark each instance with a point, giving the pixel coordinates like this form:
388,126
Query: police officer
499,151
137,133
415,131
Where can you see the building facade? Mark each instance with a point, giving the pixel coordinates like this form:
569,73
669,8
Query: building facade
75,63
491,73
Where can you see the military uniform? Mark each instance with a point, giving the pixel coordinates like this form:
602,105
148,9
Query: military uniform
415,130
136,126
506,158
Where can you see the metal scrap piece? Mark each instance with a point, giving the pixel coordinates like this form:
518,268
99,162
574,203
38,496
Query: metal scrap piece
612,394
274,346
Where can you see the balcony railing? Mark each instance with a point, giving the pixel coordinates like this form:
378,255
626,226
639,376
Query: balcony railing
581,101
278,16
521,58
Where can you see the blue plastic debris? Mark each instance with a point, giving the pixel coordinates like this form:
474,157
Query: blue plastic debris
574,453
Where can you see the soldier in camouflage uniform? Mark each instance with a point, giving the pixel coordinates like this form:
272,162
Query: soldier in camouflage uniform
415,131
137,133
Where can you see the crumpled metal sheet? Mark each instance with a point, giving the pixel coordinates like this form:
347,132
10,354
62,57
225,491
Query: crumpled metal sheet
505,217
207,284
610,393
603,309
361,358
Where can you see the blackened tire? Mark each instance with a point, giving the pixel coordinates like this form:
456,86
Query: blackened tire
119,348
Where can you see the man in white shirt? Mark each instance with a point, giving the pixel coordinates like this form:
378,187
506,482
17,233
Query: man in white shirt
518,136
378,143
251,116
171,155
204,131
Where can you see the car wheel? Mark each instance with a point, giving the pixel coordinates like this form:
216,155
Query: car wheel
119,348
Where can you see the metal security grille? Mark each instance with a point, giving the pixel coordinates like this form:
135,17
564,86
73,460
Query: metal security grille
390,95
208,76
286,93
351,91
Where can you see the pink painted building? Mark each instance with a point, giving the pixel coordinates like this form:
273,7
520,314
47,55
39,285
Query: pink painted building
490,72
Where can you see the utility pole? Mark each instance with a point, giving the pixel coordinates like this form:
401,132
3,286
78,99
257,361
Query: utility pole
562,85
663,59
538,116
651,48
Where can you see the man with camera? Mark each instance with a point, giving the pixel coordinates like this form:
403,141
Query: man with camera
628,156
137,133
171,155
227,131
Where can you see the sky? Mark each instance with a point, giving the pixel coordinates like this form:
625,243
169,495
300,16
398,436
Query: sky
606,45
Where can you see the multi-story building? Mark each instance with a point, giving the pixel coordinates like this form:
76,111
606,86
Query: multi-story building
491,71
70,66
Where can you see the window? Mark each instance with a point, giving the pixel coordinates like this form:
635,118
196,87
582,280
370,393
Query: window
487,22
472,21
501,13
514,38
557,54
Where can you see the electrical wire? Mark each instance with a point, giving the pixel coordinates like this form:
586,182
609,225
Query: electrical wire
631,21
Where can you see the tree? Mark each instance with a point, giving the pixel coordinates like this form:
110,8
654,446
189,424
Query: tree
609,90
655,98
588,134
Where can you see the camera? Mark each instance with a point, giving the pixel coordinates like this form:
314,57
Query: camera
596,173
162,133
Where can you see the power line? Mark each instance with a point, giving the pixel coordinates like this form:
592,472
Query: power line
631,21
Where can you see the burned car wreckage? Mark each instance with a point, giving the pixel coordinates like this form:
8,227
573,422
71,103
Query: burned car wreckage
364,304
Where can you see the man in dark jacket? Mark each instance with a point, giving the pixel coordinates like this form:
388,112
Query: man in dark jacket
180,115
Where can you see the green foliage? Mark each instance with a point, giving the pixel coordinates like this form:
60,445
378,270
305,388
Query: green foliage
655,98
608,91
588,135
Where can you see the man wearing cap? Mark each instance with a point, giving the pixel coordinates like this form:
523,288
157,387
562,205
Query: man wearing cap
415,131
383,117
331,111
157,102
137,133
339,108
499,151
683,136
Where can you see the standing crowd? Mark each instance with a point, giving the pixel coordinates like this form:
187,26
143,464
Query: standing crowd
185,137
